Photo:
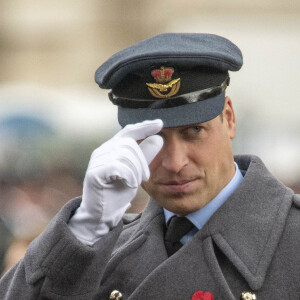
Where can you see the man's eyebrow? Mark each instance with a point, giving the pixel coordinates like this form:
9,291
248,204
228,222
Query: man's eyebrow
189,126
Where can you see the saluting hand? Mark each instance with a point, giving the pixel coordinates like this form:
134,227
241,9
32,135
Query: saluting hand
115,171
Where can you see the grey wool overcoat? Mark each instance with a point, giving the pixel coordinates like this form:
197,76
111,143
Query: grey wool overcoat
252,243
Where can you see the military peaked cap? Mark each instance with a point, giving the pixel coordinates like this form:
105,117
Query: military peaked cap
180,78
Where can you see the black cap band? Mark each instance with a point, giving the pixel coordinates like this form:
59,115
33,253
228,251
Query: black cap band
171,102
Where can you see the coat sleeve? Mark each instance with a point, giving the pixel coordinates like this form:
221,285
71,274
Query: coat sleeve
57,265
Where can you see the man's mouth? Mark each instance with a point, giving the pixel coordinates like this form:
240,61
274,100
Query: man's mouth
178,186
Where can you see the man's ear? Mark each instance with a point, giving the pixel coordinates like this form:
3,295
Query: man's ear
229,118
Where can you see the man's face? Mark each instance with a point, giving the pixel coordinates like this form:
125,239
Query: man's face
195,163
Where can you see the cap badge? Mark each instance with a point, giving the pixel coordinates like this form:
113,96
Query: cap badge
164,87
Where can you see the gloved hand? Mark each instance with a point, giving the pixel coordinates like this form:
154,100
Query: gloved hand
115,171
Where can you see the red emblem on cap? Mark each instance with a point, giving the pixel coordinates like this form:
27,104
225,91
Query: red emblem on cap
164,87
163,75
200,295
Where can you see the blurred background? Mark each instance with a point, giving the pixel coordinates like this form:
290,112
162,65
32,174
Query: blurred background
53,114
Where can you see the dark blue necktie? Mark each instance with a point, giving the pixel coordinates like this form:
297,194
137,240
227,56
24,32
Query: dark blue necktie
177,228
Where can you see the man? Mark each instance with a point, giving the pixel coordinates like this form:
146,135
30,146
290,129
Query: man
216,227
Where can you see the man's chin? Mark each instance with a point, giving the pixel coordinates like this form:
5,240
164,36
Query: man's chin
181,205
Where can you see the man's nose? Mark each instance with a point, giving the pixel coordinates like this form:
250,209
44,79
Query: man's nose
174,155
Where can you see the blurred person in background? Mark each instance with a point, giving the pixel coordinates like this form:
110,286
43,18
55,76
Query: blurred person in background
23,219
28,202
217,226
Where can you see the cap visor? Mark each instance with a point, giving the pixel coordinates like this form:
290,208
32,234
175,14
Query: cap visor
194,113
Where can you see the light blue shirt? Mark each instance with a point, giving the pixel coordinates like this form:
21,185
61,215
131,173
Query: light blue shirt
200,217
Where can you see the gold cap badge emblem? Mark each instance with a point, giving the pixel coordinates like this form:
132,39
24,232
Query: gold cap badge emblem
164,87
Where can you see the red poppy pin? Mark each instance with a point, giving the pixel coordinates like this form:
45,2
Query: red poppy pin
200,295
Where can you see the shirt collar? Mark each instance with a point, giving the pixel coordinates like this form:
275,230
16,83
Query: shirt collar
201,216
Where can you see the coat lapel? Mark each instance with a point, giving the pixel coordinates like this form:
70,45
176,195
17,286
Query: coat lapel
248,227
181,275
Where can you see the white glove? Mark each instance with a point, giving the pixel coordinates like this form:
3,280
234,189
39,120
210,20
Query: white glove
115,171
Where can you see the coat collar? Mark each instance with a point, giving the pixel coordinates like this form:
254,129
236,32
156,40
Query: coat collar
247,228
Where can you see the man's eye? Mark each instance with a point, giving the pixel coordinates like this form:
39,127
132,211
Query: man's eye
196,128
193,132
